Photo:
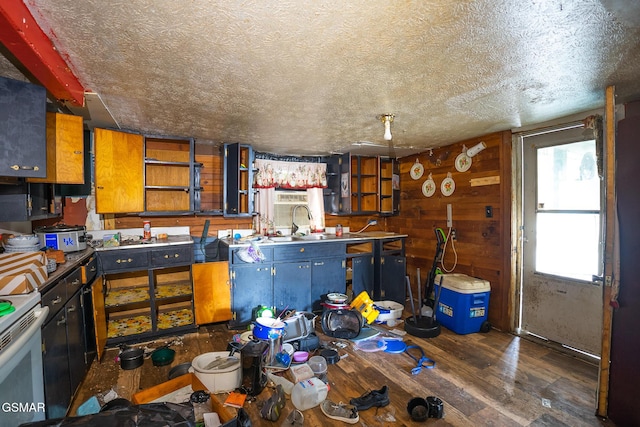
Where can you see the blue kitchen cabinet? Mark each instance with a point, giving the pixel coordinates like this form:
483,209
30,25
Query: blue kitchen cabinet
62,352
291,276
23,142
292,286
362,274
390,270
150,286
251,286
238,191
327,275
27,201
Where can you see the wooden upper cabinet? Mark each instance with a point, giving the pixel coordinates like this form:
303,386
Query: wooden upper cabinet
65,150
119,171
169,175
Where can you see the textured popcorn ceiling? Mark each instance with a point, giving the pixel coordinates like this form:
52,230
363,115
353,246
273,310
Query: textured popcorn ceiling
310,77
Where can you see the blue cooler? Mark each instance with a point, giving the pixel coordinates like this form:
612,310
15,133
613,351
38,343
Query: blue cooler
464,302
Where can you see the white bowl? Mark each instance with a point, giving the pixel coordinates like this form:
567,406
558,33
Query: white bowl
24,240
287,347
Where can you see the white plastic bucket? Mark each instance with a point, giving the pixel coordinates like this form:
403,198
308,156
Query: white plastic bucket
218,371
388,310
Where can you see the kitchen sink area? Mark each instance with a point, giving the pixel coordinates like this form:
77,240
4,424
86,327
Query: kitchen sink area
293,238
298,238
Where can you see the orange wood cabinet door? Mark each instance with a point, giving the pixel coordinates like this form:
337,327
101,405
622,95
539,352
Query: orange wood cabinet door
65,150
119,171
211,292
99,316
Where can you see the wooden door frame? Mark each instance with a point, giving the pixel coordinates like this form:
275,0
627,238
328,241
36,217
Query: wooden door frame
611,280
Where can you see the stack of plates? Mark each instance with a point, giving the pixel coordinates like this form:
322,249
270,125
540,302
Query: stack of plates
22,243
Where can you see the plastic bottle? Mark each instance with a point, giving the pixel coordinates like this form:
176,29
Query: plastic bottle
287,385
309,393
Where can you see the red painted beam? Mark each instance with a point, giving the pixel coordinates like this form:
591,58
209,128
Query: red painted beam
23,37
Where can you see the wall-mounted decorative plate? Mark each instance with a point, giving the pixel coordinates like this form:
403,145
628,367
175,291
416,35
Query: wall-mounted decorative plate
463,162
429,187
448,185
417,170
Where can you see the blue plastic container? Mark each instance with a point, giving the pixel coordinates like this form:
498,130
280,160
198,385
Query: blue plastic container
464,302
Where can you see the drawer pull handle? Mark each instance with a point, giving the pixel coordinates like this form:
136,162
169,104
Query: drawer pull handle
174,255
93,269
75,282
77,152
71,309
318,263
301,249
18,167
124,260
58,300
62,321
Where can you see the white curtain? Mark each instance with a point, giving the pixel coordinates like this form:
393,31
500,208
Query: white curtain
264,206
291,175
316,206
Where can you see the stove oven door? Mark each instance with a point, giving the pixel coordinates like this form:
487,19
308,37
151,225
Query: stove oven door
21,380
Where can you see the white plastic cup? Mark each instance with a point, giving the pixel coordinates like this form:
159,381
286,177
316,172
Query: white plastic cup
309,393
318,365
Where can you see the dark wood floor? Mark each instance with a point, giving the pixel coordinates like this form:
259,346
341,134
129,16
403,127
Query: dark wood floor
493,379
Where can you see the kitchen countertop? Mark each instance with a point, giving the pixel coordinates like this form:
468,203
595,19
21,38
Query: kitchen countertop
314,238
72,260
153,243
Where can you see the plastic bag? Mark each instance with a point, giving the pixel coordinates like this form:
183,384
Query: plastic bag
251,254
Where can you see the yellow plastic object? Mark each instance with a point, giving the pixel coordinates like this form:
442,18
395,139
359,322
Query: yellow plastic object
364,305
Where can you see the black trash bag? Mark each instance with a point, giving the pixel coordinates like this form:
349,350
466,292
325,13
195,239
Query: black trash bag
148,414
207,250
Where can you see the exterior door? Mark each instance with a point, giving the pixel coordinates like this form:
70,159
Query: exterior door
562,238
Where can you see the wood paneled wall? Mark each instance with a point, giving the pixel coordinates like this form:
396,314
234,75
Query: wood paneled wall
483,244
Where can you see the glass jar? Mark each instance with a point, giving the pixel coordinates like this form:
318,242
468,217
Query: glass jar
201,402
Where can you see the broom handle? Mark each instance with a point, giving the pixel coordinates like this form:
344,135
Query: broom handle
419,294
413,309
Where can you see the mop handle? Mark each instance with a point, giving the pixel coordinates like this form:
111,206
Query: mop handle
435,303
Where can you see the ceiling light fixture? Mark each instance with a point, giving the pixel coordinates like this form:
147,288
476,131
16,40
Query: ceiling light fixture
387,119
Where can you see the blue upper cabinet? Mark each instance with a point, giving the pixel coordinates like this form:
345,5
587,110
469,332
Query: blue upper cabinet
23,144
238,181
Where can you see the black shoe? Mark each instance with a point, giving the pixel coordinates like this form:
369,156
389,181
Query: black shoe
371,398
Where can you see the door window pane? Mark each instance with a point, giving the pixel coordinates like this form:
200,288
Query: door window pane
568,177
568,244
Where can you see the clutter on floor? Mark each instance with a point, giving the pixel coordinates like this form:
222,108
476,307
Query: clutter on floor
280,358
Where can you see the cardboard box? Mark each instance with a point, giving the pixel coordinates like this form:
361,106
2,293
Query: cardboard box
22,272
157,392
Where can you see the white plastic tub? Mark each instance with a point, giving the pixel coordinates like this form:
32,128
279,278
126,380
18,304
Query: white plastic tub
388,310
218,371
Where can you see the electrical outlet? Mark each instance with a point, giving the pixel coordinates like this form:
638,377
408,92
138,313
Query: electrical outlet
454,234
488,211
